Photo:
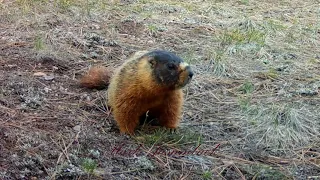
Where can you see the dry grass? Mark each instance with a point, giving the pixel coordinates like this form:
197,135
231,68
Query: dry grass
282,126
255,91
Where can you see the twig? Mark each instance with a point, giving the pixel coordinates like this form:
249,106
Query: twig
64,152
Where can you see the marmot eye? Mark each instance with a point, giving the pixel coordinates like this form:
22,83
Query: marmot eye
170,66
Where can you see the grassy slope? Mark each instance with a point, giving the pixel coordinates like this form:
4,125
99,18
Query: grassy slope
255,91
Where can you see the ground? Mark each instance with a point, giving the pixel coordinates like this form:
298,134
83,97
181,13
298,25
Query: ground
251,112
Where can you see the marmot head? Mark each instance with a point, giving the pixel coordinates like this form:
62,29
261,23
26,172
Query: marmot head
169,69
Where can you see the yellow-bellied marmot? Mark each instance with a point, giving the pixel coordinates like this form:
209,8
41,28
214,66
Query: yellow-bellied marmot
148,81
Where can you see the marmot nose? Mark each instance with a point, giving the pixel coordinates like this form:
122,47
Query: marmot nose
190,74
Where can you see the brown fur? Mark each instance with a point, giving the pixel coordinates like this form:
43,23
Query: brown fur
133,91
96,78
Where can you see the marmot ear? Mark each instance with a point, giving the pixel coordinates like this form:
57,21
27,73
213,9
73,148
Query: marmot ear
152,61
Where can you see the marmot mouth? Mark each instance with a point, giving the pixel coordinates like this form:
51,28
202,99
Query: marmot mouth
185,79
189,73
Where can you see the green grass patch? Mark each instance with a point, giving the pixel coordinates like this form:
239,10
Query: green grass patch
240,37
39,43
274,25
89,165
207,175
244,102
247,87
246,38
65,4
153,29
171,138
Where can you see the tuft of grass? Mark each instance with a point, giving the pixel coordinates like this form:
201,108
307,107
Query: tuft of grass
38,43
207,175
274,26
89,165
167,136
282,125
153,29
217,63
239,37
247,87
272,74
244,103
64,4
245,39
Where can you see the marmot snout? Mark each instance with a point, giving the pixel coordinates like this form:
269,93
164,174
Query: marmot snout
169,69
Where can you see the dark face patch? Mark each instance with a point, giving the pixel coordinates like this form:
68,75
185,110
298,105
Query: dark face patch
167,69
